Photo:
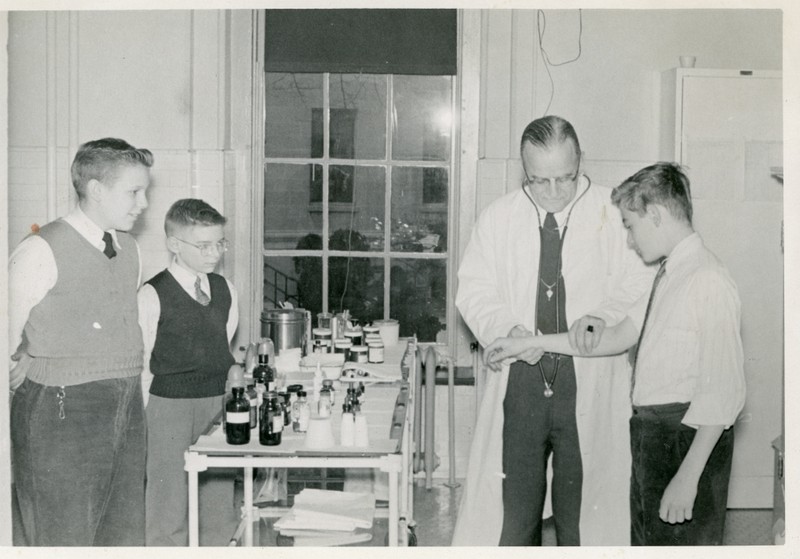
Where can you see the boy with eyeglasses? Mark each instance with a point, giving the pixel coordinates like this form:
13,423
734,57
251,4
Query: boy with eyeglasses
188,316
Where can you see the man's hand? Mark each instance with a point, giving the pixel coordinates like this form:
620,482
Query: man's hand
585,333
515,345
678,500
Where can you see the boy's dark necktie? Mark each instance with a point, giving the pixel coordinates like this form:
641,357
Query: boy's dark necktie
635,350
109,250
200,295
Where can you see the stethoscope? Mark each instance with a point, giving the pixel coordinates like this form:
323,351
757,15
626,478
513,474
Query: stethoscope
548,386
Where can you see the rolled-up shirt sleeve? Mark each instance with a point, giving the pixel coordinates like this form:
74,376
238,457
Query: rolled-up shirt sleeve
719,393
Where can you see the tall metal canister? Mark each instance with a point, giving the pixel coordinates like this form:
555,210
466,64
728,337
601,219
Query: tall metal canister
287,328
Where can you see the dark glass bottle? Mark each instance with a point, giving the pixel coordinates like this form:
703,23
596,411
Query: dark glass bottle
271,420
237,418
252,398
286,405
265,372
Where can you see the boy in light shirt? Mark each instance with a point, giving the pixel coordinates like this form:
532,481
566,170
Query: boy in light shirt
688,383
77,425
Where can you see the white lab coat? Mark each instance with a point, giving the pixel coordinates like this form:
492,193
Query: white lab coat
497,290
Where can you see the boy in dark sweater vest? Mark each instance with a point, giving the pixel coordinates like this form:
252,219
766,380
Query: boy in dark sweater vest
188,316
77,424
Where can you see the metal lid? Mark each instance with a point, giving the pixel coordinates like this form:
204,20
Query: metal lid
283,315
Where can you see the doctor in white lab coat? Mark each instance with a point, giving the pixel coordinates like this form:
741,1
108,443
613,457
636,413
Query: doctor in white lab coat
497,293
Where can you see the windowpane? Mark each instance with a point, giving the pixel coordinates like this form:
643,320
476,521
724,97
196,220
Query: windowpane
416,225
290,99
423,118
418,297
287,216
365,216
358,116
281,285
356,285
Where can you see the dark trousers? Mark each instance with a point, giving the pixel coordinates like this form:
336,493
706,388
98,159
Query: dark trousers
659,442
79,475
534,428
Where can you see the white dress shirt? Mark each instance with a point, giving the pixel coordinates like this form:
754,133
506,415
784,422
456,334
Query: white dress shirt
32,273
150,312
692,348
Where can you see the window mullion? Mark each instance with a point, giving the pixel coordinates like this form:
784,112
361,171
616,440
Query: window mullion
326,135
391,118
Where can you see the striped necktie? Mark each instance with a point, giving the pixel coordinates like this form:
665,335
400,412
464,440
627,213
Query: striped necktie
200,295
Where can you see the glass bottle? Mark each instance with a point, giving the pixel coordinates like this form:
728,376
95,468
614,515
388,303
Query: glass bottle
265,369
301,413
271,420
252,399
237,418
324,405
349,401
328,384
286,404
261,391
235,378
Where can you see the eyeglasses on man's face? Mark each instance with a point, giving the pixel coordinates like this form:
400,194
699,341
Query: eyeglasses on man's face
206,248
543,182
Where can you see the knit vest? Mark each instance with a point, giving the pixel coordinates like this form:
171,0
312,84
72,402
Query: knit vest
191,355
87,326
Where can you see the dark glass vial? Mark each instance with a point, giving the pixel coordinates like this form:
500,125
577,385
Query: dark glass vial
237,418
271,420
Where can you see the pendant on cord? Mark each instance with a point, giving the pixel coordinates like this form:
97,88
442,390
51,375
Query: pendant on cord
549,287
548,392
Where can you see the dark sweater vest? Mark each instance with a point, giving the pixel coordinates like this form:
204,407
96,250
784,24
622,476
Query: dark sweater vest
87,326
191,355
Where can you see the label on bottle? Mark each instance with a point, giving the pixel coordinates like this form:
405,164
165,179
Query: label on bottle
237,417
277,423
324,407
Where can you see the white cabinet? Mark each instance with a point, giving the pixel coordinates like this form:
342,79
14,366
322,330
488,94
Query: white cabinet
725,127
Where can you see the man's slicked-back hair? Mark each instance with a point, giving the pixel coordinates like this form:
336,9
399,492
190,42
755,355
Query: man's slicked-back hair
189,212
548,131
101,159
662,183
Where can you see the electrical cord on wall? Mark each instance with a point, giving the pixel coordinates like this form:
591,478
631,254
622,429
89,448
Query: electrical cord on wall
541,25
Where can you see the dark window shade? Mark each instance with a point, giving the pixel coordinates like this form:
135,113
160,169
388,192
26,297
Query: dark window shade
361,41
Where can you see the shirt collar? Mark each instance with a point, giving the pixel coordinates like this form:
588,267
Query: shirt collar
88,229
187,277
683,250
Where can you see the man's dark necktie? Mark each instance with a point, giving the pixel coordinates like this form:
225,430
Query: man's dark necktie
109,250
551,294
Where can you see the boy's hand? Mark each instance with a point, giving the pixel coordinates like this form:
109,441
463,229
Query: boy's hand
678,500
585,333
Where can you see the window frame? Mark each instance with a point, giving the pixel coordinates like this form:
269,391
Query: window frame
389,165
463,202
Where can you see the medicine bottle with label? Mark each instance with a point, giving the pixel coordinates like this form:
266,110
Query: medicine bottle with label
237,418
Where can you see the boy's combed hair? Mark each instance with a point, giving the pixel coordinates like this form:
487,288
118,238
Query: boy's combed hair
100,160
188,212
662,183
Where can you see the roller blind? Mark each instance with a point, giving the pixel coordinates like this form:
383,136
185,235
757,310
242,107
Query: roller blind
361,41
